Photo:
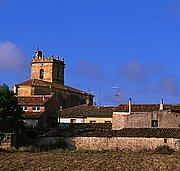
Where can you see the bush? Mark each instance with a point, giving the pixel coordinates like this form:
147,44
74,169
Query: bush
164,150
1,136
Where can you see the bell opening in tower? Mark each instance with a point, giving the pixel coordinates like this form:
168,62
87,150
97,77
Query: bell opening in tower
41,74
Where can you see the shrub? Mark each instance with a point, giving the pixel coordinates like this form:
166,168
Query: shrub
1,136
164,150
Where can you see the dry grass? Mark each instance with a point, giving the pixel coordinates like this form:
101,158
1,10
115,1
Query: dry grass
23,159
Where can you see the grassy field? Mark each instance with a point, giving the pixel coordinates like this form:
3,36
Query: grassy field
83,160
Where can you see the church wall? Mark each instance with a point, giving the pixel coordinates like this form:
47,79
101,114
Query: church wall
64,98
24,91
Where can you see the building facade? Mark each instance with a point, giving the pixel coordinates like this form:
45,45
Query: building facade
47,77
146,116
86,114
40,111
47,69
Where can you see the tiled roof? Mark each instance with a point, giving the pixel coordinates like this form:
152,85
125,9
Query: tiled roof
90,111
33,100
104,130
32,115
146,107
37,82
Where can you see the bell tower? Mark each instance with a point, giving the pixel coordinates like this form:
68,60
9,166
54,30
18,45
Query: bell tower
47,69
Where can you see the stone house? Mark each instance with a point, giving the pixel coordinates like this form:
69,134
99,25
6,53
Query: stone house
87,114
146,116
47,77
40,111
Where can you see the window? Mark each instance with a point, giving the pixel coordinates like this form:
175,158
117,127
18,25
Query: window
165,140
24,108
154,123
107,122
92,121
73,120
36,108
41,74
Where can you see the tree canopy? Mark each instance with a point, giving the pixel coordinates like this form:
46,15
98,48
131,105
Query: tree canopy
10,112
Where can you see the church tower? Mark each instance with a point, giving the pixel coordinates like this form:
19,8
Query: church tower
47,69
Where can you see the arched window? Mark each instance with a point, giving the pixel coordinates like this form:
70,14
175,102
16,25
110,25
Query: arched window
41,73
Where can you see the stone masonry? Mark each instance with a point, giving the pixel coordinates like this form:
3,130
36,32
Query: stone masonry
164,118
110,143
47,69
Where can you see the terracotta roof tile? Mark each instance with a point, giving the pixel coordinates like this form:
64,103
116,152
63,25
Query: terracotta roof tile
146,107
105,130
33,100
90,111
36,82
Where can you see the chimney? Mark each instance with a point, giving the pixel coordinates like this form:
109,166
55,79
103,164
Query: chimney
94,104
130,105
161,104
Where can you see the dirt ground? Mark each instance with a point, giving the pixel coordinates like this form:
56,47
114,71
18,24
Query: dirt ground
80,160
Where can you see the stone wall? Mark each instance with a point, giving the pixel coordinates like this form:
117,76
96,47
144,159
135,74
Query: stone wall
166,119
23,91
112,143
53,70
98,120
118,121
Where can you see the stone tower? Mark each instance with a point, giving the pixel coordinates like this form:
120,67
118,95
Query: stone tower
47,69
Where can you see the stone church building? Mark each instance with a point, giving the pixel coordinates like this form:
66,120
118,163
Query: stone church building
47,77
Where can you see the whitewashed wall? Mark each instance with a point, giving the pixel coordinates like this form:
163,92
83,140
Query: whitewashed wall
68,120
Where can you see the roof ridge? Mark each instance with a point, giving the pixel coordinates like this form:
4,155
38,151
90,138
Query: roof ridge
38,82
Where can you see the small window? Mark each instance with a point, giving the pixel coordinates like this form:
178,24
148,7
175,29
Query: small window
154,123
36,108
165,140
24,108
107,121
92,121
41,74
73,120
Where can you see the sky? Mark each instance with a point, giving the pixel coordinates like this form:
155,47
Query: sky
113,49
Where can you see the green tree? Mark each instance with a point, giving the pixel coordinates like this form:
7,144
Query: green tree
10,112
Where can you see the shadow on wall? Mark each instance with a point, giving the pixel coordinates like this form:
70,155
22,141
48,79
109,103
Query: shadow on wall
56,142
105,143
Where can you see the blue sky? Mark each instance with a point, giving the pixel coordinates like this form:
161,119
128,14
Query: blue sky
131,45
